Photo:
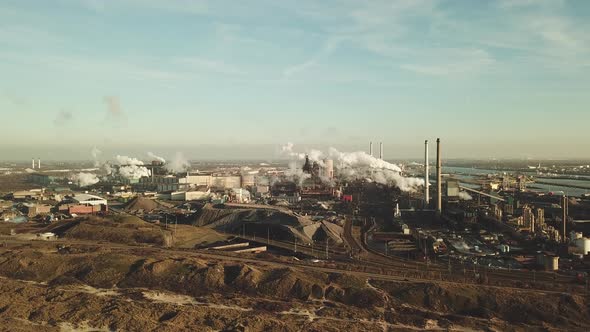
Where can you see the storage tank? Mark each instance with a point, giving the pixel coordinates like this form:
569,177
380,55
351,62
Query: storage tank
575,235
551,263
329,168
583,245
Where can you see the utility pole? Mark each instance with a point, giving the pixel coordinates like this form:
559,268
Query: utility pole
327,256
449,265
267,235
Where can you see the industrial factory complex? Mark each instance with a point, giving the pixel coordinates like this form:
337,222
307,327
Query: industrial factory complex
340,210
486,219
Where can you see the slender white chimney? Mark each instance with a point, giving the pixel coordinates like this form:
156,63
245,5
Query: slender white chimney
438,177
33,163
381,150
426,175
39,163
371,148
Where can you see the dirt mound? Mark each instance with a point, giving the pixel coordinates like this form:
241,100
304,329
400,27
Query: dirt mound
140,203
282,225
118,229
517,307
106,286
243,277
197,278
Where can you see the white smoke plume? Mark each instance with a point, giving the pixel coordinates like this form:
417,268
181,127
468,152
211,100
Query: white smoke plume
287,150
131,168
358,165
178,164
124,160
84,179
360,159
155,157
134,172
465,196
95,152
108,168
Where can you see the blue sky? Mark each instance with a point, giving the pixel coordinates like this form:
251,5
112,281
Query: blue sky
491,78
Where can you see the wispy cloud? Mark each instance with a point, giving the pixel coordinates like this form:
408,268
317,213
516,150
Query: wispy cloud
14,99
179,6
451,62
63,117
207,65
329,46
292,70
512,4
403,31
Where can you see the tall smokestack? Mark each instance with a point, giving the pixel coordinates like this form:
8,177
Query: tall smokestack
39,163
426,175
438,178
33,163
381,150
564,207
371,148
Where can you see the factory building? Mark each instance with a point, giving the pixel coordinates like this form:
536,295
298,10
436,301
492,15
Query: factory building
32,209
198,179
87,199
216,181
83,204
226,181
37,194
249,180
162,183
195,195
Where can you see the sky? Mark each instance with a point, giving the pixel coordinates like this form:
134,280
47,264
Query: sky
238,79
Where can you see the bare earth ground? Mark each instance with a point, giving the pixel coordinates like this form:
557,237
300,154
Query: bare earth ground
89,284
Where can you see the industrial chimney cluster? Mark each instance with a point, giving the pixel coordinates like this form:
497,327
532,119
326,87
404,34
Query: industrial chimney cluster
426,173
38,163
380,149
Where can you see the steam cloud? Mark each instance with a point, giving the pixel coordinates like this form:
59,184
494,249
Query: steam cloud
134,172
178,164
153,156
465,196
124,160
84,179
355,166
95,152
131,168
